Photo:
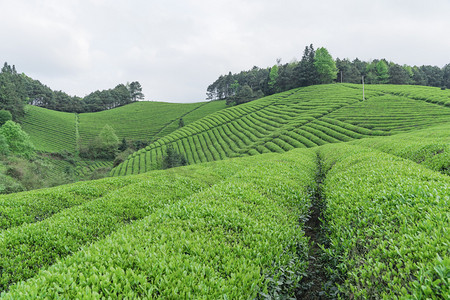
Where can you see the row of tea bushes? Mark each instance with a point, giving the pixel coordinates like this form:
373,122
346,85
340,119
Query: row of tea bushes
34,206
26,249
239,239
429,147
387,221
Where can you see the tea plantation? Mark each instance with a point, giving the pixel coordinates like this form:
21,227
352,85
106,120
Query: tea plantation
235,223
53,131
300,118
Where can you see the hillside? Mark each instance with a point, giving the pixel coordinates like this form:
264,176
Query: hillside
53,131
238,228
299,118
374,173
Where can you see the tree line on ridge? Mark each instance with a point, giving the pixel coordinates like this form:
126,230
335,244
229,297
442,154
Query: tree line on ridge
318,67
17,90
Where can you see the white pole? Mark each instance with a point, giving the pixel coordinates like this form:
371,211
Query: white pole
363,86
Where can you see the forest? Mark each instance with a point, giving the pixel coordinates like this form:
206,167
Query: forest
318,67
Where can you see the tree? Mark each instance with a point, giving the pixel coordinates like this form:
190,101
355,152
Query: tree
325,66
107,142
18,140
306,72
172,158
5,116
11,95
398,75
123,145
433,74
135,90
272,80
244,95
446,76
104,146
4,148
419,77
382,71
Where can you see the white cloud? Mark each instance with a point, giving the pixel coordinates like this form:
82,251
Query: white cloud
177,48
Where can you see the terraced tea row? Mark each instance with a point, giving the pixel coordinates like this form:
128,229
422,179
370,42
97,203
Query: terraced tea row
30,244
429,147
422,93
387,221
230,229
392,114
300,118
52,131
49,130
232,239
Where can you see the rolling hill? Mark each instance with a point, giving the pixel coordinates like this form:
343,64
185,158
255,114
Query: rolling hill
360,210
53,131
236,228
300,118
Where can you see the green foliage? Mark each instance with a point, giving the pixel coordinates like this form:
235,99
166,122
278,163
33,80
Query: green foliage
104,146
272,80
172,158
50,131
325,65
18,140
135,90
382,72
230,240
4,147
34,174
5,116
305,117
386,220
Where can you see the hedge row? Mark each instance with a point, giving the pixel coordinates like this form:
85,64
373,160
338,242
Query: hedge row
387,221
238,239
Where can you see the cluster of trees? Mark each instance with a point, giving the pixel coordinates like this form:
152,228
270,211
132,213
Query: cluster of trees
380,71
318,67
16,90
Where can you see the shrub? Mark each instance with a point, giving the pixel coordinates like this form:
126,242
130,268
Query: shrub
18,140
173,158
5,116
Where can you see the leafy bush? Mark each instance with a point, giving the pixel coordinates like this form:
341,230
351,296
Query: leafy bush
18,140
5,116
387,219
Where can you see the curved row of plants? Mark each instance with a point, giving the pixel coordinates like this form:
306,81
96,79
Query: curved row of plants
387,221
238,238
276,123
31,244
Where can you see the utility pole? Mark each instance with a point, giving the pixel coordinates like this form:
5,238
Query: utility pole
363,87
341,76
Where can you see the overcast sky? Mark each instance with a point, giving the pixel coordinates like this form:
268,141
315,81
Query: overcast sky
176,48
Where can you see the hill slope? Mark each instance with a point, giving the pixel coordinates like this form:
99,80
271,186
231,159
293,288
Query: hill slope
299,118
53,131
234,229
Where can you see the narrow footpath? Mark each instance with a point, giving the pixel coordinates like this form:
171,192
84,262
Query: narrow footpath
312,284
